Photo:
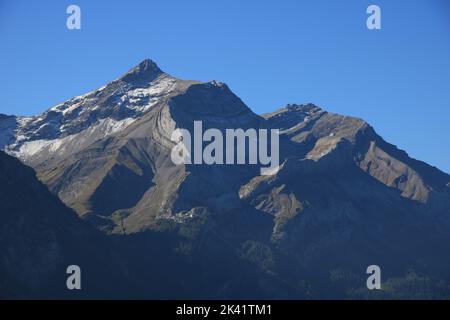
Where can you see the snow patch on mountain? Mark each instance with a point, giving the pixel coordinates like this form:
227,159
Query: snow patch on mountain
142,99
32,147
85,119
103,128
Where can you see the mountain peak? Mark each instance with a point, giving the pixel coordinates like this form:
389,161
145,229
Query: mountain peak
145,71
147,65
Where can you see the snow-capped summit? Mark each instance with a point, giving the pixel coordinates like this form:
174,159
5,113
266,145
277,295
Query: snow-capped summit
94,116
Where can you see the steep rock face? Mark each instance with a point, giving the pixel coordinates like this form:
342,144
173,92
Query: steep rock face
338,145
317,130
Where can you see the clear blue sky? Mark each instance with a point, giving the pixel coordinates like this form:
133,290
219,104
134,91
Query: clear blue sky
269,52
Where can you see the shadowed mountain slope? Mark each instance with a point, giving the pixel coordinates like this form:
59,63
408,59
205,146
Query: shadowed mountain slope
41,237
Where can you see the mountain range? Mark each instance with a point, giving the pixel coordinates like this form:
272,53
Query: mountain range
104,192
